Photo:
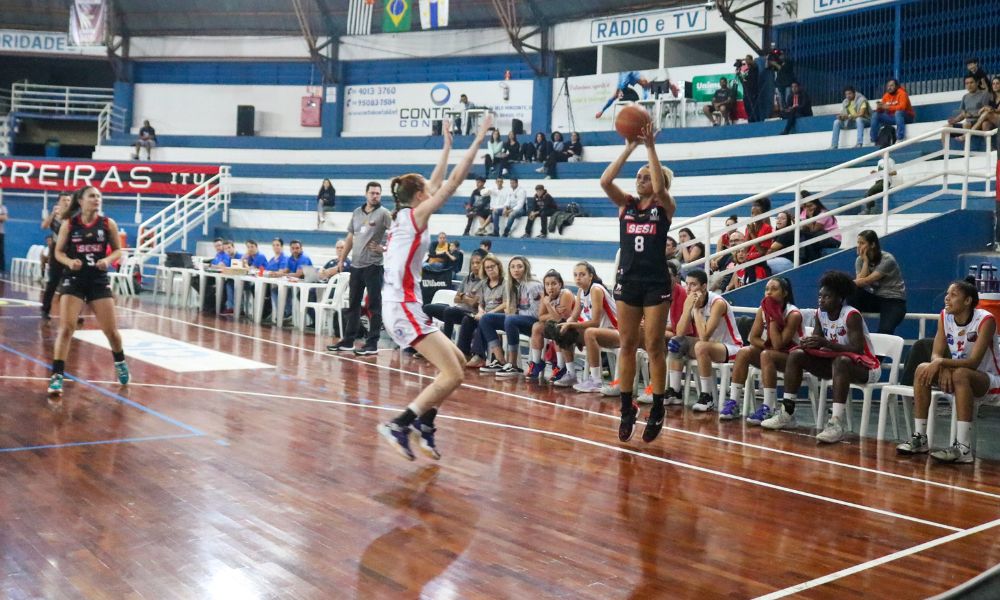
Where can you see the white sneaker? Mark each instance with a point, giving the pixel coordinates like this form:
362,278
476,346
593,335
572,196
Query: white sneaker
832,433
588,386
567,380
956,453
917,445
645,398
780,419
611,389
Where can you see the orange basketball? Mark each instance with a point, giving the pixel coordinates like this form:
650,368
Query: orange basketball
630,121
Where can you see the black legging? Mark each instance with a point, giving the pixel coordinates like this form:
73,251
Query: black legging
450,315
470,339
891,310
552,159
55,276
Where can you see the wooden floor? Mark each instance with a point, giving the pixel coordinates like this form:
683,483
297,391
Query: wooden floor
272,483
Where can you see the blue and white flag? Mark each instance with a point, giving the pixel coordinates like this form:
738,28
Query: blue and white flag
433,14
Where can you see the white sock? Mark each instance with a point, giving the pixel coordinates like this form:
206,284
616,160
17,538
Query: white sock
963,433
920,426
536,355
770,397
571,368
560,360
736,391
595,373
675,380
708,385
839,410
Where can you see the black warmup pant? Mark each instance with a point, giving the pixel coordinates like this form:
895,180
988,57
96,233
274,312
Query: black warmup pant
55,276
364,278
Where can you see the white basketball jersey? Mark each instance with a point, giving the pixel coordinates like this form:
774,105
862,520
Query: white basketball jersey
404,259
836,331
725,332
789,309
962,339
609,315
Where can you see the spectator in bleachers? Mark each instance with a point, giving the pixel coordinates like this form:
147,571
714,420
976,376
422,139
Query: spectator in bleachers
780,253
485,246
624,91
724,238
745,275
716,340
465,303
147,140
562,152
977,72
512,147
540,206
971,105
758,228
517,205
720,109
491,300
784,74
877,187
326,199
439,257
457,256
839,349
558,305
854,112
989,115
496,158
777,327
723,243
593,325
720,281
538,150
477,208
673,254
798,104
824,225
522,297
691,253
499,199
879,281
893,109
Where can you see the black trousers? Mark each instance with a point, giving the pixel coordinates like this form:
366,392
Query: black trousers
55,276
364,278
530,225
890,310
450,315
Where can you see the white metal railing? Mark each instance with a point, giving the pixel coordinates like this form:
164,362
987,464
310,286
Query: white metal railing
6,132
935,168
4,101
173,222
110,120
58,100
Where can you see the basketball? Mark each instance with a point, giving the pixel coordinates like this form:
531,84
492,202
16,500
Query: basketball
631,120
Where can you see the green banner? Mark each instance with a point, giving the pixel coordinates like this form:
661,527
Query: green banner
397,16
703,87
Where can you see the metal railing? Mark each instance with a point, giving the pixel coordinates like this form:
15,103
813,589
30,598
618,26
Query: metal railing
110,121
57,100
173,222
932,169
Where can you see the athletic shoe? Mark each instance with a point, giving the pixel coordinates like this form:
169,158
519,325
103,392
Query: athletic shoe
398,437
492,366
705,403
833,432
226,312
673,398
424,436
917,445
341,346
475,362
730,410
56,384
535,371
557,373
646,397
654,423
567,380
588,386
627,426
760,415
369,350
956,453
611,389
509,371
780,419
121,370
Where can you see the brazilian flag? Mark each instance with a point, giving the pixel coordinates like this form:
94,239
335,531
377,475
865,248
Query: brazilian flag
397,16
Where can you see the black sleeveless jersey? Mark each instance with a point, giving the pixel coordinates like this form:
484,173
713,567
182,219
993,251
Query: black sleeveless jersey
89,243
643,235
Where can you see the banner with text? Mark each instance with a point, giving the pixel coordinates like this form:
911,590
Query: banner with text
412,108
816,8
703,87
587,95
659,23
42,42
110,178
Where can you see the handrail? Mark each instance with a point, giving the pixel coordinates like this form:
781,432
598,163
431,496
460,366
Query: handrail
62,100
175,220
938,169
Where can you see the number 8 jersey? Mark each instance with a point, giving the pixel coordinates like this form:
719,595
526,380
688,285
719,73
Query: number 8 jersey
643,235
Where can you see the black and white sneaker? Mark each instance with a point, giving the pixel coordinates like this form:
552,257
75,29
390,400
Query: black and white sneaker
341,346
627,426
509,370
654,423
366,350
492,366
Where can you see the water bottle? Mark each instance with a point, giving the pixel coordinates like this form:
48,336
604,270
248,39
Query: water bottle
505,89
993,283
974,273
984,272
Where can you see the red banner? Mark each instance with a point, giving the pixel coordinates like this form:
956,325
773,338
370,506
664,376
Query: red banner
111,178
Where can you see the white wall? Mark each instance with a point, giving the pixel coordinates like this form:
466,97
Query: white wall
219,47
427,44
182,109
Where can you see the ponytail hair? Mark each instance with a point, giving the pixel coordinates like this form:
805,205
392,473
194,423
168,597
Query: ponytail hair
76,202
786,287
968,287
594,278
404,188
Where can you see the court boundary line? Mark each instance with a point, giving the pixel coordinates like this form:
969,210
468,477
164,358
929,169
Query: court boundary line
466,385
151,438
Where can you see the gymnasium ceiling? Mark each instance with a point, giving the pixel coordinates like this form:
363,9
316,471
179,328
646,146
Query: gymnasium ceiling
277,17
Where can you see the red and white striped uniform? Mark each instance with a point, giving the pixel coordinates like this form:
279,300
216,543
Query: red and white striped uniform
725,332
609,314
402,303
962,339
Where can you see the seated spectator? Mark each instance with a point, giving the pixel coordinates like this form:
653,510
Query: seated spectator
715,340
485,246
824,225
499,197
745,275
758,227
839,349
720,109
673,254
720,280
561,152
798,104
457,256
517,205
691,253
879,281
989,115
893,109
333,266
466,300
439,258
973,68
877,187
724,238
477,207
540,206
326,199
496,158
536,151
624,91
470,338
971,105
780,252
963,364
522,298
512,147
777,327
854,112
147,140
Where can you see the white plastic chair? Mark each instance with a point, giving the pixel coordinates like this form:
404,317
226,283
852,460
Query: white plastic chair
28,266
334,299
122,281
883,346
887,399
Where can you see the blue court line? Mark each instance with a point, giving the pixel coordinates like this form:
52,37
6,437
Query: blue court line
110,394
176,436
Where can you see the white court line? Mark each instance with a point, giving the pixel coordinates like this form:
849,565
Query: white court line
564,436
795,589
769,449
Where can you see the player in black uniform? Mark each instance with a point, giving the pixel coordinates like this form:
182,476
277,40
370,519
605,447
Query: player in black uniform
82,249
642,286
53,222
